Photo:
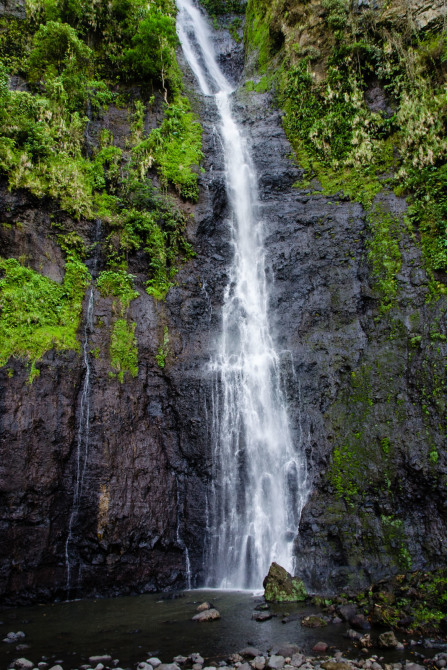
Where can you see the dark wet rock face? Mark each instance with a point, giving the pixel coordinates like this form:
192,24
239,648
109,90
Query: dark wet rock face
363,392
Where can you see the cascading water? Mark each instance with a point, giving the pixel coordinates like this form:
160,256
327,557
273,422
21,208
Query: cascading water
83,434
259,479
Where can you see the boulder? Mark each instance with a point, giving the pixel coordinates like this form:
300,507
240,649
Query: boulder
313,621
388,640
280,586
346,612
360,622
288,650
204,606
169,666
207,615
250,652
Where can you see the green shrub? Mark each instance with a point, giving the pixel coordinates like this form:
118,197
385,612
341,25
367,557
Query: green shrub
119,284
123,349
37,313
175,147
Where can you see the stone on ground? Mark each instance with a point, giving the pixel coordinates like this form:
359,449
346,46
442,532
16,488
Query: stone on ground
288,650
313,621
23,664
320,647
388,640
280,586
207,615
276,662
250,652
262,616
204,606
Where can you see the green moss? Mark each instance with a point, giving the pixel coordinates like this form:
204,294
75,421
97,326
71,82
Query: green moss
221,7
123,349
279,586
37,313
384,254
175,148
341,142
119,284
257,34
163,349
394,537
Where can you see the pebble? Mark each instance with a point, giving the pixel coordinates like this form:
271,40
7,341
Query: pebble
155,662
276,662
320,647
196,658
144,666
57,667
180,660
105,658
262,616
258,663
23,664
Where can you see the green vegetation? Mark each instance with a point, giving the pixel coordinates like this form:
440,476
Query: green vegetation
37,313
123,349
384,254
163,349
349,145
78,59
175,148
415,602
118,284
281,587
220,7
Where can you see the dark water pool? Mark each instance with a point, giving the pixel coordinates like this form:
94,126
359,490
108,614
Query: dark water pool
131,628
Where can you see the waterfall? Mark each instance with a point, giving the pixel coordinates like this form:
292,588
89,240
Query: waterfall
259,478
83,434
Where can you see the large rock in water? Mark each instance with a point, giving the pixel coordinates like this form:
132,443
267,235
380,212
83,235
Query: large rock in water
280,586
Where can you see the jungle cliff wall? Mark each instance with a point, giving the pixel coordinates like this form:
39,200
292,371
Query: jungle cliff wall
360,276
357,308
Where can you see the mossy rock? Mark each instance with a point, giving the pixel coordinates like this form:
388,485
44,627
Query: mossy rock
280,586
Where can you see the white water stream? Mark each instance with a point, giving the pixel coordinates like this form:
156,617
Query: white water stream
259,479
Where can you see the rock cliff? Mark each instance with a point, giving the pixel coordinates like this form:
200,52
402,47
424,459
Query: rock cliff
121,507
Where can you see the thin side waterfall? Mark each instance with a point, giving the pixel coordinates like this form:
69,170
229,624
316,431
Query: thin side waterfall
259,479
83,434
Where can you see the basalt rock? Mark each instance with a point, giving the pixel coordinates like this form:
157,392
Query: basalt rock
280,586
364,391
